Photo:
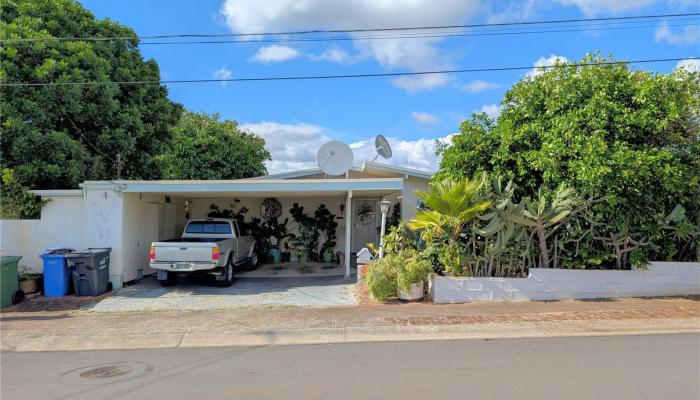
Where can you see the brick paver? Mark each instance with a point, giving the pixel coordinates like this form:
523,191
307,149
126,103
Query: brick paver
546,317
67,303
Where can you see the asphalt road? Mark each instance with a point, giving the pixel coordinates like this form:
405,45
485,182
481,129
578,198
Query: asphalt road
619,367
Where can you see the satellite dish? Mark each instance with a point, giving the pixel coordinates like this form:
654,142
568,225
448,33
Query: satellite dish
334,158
383,147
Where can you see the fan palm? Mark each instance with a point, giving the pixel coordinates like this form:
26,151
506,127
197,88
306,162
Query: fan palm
449,206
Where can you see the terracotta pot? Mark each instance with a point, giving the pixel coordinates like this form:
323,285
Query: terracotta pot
28,286
416,292
362,272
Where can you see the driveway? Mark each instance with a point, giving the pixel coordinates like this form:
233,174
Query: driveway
147,294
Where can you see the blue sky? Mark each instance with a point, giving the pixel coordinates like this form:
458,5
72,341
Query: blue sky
296,117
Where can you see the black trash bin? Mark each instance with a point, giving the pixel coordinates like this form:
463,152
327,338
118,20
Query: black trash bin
90,270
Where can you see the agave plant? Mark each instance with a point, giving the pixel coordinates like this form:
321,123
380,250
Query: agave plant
541,215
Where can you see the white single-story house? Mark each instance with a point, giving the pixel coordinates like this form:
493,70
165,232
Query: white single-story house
128,215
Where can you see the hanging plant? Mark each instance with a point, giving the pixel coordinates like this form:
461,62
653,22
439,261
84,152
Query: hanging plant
270,209
366,214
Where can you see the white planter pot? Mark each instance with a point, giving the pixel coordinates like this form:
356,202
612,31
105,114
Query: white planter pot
416,292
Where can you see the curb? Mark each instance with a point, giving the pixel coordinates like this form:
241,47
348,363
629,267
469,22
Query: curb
359,334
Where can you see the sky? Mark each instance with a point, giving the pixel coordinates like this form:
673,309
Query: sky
297,117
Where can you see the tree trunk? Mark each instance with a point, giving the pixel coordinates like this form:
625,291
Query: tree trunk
543,245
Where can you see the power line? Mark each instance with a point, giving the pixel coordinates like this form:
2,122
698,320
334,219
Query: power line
361,30
346,76
421,36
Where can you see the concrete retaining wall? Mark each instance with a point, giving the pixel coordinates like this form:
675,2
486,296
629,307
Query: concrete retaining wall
660,279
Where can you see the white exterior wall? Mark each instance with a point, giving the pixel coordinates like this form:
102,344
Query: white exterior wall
660,279
147,218
200,209
60,225
409,201
104,222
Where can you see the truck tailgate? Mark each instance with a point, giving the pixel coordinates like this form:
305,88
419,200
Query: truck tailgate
184,251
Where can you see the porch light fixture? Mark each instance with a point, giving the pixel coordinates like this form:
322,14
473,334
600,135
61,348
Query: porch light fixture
384,208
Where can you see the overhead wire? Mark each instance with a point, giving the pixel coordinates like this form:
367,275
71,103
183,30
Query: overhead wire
343,76
357,30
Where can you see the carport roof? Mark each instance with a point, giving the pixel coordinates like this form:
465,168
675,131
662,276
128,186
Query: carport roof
300,187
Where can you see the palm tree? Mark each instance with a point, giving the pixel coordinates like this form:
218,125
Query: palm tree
450,205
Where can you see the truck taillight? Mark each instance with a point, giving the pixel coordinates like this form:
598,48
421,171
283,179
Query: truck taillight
215,253
152,253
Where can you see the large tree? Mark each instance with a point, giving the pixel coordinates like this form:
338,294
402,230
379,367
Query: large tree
204,147
59,136
631,136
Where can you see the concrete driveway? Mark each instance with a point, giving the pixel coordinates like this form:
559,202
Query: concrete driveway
148,295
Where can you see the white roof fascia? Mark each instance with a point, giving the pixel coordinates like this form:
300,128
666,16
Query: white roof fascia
247,185
58,192
396,169
298,174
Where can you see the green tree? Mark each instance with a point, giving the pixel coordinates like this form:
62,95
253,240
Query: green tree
16,202
205,148
59,136
629,135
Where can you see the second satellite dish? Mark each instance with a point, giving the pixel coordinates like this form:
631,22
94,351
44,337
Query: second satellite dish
334,158
383,147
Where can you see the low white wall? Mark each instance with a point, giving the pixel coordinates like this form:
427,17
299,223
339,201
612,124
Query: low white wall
60,225
660,279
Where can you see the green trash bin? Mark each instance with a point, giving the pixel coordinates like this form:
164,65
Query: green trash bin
9,281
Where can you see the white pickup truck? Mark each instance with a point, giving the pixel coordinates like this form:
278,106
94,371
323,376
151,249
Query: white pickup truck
213,245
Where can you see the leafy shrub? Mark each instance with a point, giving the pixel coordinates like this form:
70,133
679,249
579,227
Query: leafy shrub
382,278
415,268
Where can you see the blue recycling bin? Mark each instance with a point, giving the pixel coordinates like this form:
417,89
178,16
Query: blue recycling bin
57,276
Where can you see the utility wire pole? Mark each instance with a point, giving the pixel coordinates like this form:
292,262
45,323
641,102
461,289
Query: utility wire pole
119,166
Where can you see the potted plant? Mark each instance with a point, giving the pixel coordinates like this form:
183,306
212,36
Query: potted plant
381,278
303,256
411,276
327,225
285,253
27,280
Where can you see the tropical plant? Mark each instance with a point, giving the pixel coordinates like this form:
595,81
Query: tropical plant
16,202
306,238
326,223
381,277
414,268
603,129
450,206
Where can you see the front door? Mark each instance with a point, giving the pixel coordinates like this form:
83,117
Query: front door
365,223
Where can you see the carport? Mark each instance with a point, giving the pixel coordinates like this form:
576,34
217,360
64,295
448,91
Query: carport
129,215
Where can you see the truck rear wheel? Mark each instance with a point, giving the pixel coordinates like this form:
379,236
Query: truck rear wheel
227,275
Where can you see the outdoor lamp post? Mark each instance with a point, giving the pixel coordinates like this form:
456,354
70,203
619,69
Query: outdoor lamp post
384,208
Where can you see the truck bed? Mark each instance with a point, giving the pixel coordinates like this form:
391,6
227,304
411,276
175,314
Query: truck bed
192,240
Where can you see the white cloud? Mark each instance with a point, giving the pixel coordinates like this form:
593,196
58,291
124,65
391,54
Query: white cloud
275,53
545,62
413,84
293,147
404,54
689,65
335,55
492,110
424,118
223,73
478,85
689,35
417,154
597,7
